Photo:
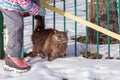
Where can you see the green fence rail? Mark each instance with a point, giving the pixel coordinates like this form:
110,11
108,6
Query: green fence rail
1,36
118,5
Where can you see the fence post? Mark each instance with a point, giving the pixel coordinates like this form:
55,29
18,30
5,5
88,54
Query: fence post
86,41
54,16
1,36
118,9
97,23
108,24
75,26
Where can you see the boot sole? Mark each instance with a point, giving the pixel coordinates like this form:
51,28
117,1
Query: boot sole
7,68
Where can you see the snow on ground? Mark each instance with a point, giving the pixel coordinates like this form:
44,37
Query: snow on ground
70,67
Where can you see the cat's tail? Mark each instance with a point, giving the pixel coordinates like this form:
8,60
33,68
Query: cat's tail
39,23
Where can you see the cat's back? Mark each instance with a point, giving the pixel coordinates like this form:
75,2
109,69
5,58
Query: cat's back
40,36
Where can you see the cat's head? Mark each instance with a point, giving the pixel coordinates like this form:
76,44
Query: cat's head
60,36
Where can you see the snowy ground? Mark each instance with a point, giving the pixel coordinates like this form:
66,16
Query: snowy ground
70,67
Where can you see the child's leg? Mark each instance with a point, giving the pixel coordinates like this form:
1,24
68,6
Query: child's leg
15,26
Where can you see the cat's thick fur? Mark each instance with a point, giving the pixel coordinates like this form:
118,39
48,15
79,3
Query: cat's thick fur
48,41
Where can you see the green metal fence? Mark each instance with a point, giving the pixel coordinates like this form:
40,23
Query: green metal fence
109,22
108,9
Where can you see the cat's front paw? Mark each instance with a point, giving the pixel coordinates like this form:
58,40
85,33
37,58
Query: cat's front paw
50,58
42,55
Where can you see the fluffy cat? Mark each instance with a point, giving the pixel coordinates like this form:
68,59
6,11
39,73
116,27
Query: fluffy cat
47,41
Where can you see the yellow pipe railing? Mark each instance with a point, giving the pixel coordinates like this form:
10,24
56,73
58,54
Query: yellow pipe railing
79,20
